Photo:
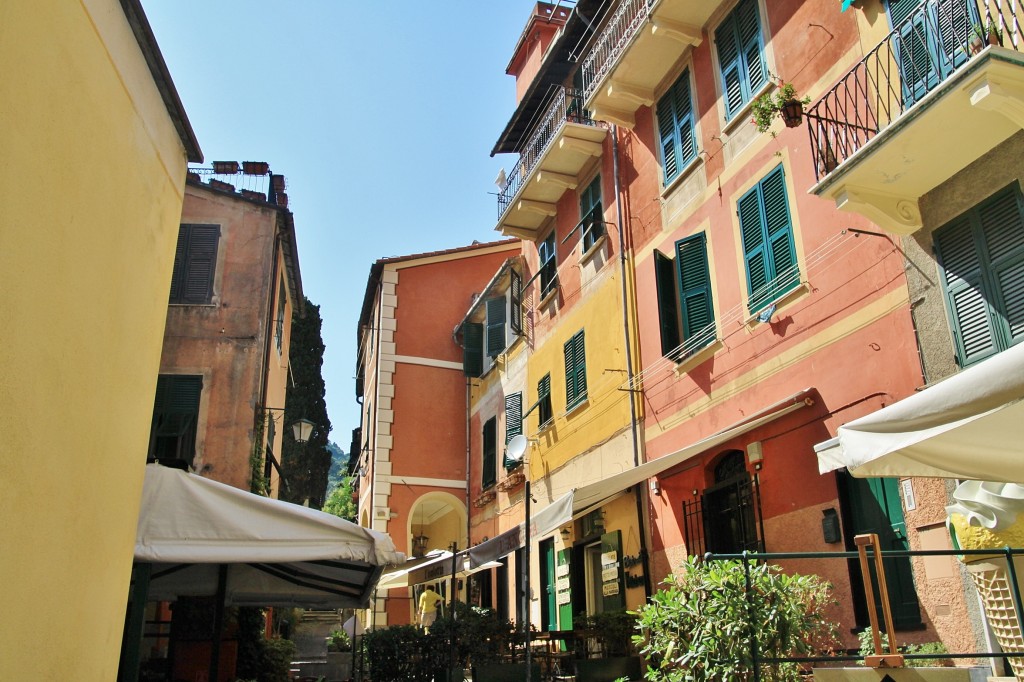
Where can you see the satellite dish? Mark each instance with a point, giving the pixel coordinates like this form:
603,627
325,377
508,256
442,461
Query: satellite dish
516,448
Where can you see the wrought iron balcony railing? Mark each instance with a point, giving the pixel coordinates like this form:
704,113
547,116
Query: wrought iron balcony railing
608,47
566,106
915,58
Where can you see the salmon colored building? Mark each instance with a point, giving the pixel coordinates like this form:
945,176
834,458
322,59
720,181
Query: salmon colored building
411,449
224,368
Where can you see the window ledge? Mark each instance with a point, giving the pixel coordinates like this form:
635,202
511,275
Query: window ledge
546,425
686,364
549,296
580,404
793,294
192,305
594,248
681,177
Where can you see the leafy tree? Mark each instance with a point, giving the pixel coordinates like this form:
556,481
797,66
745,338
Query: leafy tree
305,465
340,502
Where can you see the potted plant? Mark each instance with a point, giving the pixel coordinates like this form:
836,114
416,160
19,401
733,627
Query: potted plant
339,654
783,102
987,34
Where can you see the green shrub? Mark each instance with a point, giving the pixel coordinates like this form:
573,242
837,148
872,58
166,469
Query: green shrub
480,635
615,630
698,627
276,660
867,648
339,640
403,653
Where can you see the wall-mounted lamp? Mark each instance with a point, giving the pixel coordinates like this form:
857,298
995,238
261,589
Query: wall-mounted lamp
302,430
755,455
656,486
566,532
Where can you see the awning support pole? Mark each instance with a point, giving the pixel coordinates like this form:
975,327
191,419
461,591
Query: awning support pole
879,660
134,629
218,621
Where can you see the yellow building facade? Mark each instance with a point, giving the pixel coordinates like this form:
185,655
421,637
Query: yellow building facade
95,150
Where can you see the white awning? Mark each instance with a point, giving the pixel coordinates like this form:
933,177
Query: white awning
277,553
546,520
969,426
594,494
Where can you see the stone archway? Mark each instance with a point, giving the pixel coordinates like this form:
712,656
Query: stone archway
440,518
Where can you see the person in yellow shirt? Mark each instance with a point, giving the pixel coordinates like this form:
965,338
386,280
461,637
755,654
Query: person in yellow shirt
428,608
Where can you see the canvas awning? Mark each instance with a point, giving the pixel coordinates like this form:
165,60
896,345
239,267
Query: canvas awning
969,426
544,521
276,553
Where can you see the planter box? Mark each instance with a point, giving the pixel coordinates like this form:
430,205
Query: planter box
608,669
339,665
505,672
975,674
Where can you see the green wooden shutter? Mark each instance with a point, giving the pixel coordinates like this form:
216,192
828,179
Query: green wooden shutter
513,424
611,543
768,246
899,10
668,304
178,274
748,24
575,370
591,213
695,291
489,473
728,43
200,263
1002,227
959,257
563,589
515,292
473,349
495,326
740,56
675,127
544,412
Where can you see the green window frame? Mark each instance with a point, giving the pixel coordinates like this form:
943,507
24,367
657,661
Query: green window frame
547,255
489,468
768,247
515,295
195,264
591,214
544,412
575,370
685,305
173,430
675,128
741,56
981,256
513,424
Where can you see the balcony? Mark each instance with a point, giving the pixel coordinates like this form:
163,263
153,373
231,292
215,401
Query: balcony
943,88
560,145
641,43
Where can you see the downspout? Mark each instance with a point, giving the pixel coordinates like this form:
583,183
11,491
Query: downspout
624,270
469,478
259,416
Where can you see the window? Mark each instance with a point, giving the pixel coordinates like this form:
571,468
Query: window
543,404
740,56
195,262
768,247
502,317
279,328
981,254
675,128
513,424
489,474
591,214
548,267
684,298
172,436
575,371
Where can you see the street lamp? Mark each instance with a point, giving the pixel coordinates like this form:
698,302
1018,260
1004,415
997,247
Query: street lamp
302,430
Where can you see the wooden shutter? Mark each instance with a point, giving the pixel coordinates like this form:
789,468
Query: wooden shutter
1002,227
668,304
695,290
613,591
196,284
544,400
513,424
178,274
748,24
754,253
495,326
740,56
675,127
473,349
489,474
591,214
575,370
728,43
768,246
899,10
515,292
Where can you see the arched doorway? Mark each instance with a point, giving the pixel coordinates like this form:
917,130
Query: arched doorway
732,506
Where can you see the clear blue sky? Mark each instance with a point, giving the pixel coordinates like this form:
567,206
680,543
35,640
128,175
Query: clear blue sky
381,116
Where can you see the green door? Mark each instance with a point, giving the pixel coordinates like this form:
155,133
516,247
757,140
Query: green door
875,507
563,591
548,605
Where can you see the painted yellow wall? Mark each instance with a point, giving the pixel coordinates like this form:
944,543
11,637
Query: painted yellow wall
606,411
93,176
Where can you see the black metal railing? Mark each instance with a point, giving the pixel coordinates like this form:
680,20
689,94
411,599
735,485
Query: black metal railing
565,106
1003,561
611,43
915,58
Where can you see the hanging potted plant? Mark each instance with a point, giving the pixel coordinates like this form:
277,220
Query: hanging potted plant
784,103
987,34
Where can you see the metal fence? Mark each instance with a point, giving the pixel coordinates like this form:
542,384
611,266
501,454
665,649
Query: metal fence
916,57
617,34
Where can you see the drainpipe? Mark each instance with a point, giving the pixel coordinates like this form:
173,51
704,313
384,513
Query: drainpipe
468,477
624,270
260,416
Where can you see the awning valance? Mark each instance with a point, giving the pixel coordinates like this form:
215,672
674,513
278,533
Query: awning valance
969,426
